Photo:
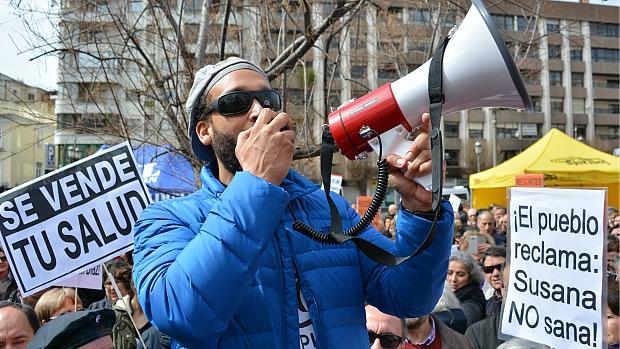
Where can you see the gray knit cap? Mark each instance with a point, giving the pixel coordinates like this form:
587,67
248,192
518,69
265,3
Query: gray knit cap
204,81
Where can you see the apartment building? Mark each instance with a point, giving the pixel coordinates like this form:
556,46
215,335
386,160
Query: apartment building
567,53
27,126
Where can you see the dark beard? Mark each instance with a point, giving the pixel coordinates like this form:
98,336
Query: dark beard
224,148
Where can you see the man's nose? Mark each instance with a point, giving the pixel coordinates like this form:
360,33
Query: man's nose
376,344
255,109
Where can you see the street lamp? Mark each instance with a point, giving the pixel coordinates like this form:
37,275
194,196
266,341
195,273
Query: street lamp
478,150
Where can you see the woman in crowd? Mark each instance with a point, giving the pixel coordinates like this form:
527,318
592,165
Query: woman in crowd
612,314
56,302
465,277
121,272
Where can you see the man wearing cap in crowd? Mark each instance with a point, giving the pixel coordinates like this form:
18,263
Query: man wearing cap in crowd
82,329
223,268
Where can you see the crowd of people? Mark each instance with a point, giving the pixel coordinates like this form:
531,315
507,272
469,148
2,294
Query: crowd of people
223,267
477,281
62,317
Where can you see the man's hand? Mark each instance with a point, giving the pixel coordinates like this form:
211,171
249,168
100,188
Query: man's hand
266,149
415,163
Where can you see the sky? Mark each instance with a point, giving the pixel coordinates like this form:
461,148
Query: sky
16,56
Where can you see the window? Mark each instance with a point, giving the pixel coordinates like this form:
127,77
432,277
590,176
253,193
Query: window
451,157
561,127
557,104
606,131
395,14
419,16
503,22
38,169
555,51
524,23
531,77
536,103
604,29
31,96
553,26
602,106
579,105
605,81
451,129
530,130
388,74
136,5
576,79
605,55
555,78
576,54
506,130
475,129
358,71
579,131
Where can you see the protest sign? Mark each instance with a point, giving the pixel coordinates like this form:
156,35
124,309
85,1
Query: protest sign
362,204
557,271
71,219
89,278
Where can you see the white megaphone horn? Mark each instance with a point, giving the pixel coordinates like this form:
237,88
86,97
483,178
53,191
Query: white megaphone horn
478,71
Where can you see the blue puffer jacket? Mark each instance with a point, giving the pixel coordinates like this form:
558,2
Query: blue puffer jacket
217,269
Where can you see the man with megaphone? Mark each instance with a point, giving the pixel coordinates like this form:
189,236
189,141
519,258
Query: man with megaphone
224,268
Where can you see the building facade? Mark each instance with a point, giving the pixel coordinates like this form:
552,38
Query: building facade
567,54
27,126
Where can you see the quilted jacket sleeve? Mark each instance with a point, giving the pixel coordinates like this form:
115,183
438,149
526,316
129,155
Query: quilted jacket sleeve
412,288
190,285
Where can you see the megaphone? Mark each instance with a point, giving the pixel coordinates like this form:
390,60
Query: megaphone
478,71
471,69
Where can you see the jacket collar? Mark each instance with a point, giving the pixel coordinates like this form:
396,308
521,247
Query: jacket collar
294,183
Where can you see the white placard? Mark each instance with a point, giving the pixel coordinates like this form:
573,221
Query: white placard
90,278
455,202
335,185
557,267
72,219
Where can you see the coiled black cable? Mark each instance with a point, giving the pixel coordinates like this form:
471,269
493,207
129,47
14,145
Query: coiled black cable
329,238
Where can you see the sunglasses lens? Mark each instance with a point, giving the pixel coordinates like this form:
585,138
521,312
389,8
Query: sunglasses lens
234,103
390,341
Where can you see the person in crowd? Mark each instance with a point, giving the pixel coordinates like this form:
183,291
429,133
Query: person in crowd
146,337
612,313
612,213
492,263
121,272
30,301
384,331
484,334
430,332
464,207
85,329
616,266
498,212
465,277
458,226
615,231
613,249
485,222
209,264
472,219
389,223
18,324
7,281
448,310
56,302
475,243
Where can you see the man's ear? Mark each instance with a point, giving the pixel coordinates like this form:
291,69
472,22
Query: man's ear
203,130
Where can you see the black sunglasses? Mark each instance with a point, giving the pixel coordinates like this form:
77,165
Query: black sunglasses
489,269
239,102
387,340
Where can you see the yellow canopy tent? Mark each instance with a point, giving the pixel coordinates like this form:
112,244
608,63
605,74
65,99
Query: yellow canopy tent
564,162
